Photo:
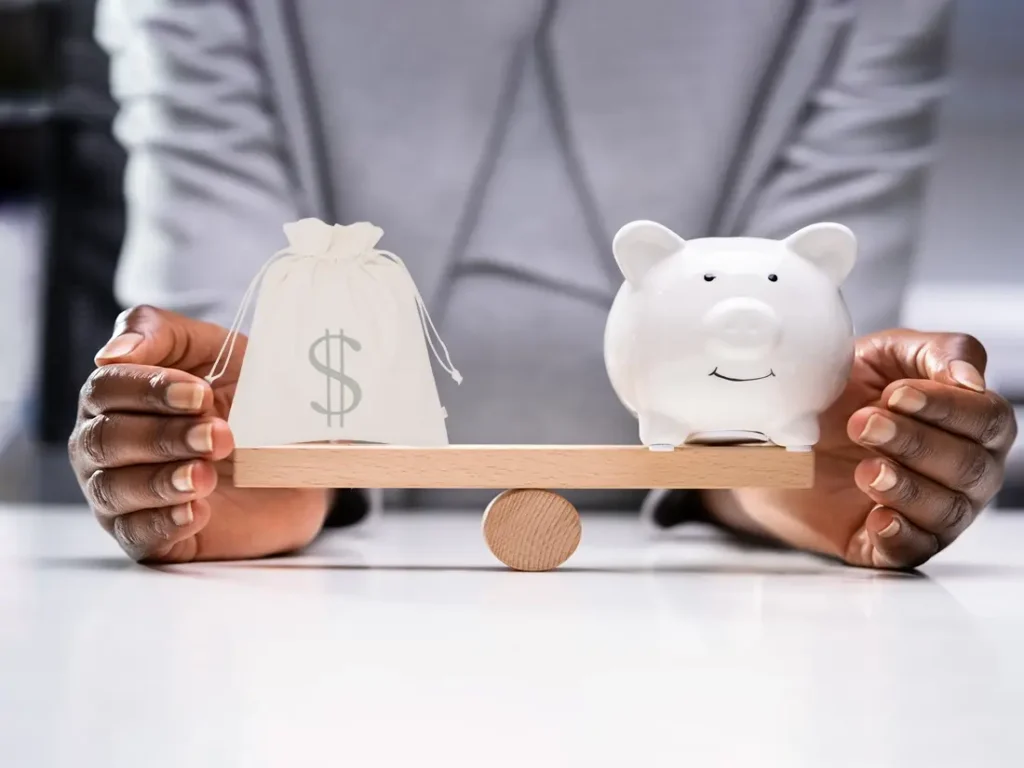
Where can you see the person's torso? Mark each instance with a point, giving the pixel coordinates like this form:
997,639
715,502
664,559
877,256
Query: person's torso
501,144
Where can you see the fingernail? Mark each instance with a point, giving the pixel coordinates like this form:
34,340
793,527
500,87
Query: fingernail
119,346
967,375
182,479
200,438
182,514
878,430
891,529
184,396
885,479
907,400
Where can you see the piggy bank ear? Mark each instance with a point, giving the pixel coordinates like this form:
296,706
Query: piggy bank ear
640,245
832,247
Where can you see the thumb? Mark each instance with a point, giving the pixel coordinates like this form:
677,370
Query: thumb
956,359
146,335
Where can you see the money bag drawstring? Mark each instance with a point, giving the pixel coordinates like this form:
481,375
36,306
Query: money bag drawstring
229,342
236,324
427,323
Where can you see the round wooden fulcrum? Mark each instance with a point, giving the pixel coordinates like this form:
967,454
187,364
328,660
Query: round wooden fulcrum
531,530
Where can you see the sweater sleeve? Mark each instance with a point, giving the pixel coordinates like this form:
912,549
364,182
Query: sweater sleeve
207,183
861,152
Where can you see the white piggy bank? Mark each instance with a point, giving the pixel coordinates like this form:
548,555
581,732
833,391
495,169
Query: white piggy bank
725,335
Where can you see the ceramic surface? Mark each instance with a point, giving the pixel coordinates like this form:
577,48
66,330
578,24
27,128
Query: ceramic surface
730,334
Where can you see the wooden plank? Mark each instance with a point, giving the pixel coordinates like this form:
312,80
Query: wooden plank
521,466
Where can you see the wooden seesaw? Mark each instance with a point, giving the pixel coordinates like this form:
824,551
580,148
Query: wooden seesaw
530,527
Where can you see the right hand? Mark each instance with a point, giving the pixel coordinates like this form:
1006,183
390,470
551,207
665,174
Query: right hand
152,450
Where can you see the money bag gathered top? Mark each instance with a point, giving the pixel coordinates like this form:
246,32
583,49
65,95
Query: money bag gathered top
337,349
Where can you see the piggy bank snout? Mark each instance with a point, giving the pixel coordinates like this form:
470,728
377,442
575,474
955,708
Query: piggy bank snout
742,328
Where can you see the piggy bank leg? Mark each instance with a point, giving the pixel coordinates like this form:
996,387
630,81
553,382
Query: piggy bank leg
661,433
798,435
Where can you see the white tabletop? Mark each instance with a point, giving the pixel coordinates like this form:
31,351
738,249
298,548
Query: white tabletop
408,645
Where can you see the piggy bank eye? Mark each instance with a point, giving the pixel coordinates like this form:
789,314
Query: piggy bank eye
773,278
709,278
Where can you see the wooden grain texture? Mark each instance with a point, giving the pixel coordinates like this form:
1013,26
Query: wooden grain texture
531,530
521,466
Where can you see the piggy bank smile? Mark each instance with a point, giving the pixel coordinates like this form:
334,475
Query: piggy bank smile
718,375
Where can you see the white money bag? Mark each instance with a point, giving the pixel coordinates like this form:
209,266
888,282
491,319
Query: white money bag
336,348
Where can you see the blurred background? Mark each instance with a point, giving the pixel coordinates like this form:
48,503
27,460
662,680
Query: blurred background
62,218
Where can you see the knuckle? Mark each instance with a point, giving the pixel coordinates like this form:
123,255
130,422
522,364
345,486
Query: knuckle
92,440
1007,409
140,313
1000,425
139,532
99,386
941,410
955,512
160,486
79,461
165,440
100,490
92,386
907,492
155,525
973,469
128,536
156,386
969,345
72,445
913,445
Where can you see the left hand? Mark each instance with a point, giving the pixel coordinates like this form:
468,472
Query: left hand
910,453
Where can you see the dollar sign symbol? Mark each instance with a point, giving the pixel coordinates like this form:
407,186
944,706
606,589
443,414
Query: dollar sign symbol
336,373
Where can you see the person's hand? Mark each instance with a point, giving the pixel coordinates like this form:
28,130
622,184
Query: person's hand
909,454
152,450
